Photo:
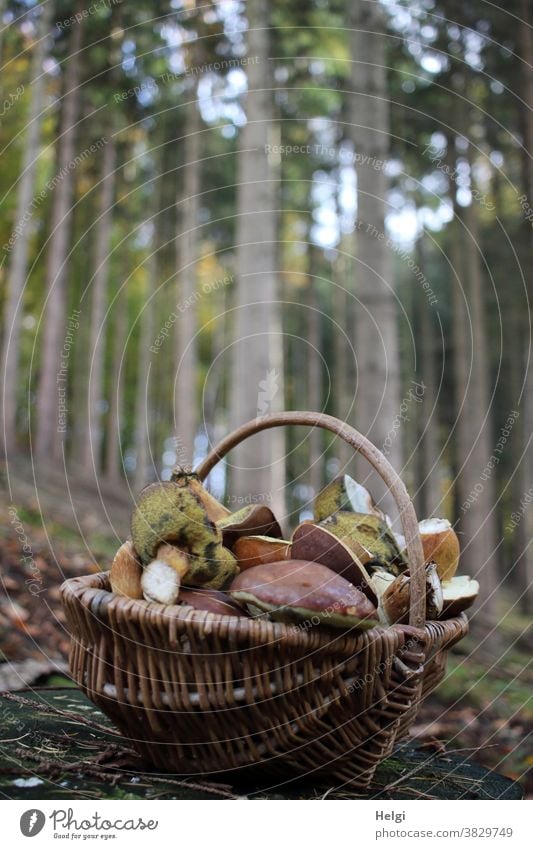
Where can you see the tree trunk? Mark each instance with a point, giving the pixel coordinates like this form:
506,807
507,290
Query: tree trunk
461,356
54,369
187,249
3,5
376,333
478,517
258,465
342,307
114,447
143,410
93,440
19,259
426,410
525,558
314,377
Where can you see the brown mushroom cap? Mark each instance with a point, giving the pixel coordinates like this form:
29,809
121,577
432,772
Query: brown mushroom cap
319,544
459,594
254,550
126,572
440,543
253,520
214,601
300,590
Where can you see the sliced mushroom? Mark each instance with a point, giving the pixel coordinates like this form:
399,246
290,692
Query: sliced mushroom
253,520
213,508
459,594
126,572
299,591
440,543
320,544
254,550
395,597
344,493
381,581
212,600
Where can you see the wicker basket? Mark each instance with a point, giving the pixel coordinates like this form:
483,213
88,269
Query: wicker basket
199,693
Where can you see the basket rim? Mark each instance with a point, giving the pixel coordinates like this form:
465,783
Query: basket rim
91,592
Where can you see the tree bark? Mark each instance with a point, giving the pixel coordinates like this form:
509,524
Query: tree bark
19,258
48,442
92,443
376,333
258,465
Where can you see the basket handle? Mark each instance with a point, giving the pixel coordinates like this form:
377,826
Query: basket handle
376,459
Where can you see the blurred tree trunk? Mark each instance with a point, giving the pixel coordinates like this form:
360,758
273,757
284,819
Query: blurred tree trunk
187,248
143,407
426,411
344,370
461,352
525,531
478,517
314,373
258,465
376,332
19,258
114,448
48,443
3,6
93,440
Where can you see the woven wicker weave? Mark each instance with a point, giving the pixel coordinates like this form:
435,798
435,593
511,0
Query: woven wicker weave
201,693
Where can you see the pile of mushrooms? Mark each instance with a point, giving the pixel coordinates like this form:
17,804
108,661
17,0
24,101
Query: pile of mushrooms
346,568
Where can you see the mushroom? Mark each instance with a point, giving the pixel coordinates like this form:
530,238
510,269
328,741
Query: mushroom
253,520
213,508
370,538
395,596
160,582
319,544
126,572
459,594
440,544
214,601
169,513
254,550
344,493
299,591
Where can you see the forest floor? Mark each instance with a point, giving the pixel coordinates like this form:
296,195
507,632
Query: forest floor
484,705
